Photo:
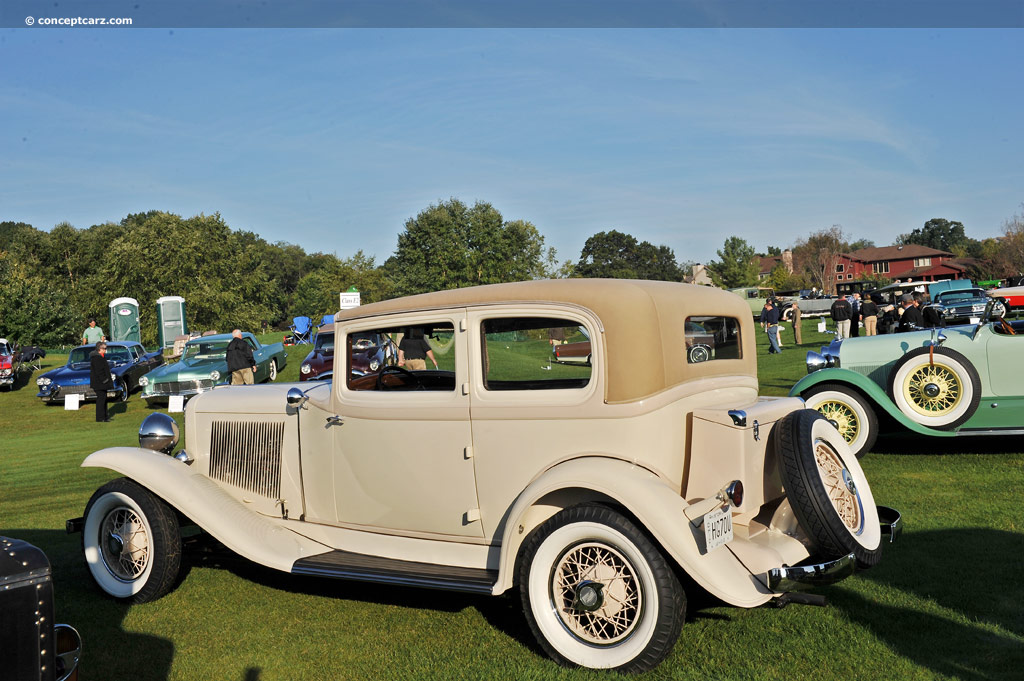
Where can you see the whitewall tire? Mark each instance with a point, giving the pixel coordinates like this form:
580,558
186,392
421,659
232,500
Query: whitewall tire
937,390
598,593
131,542
848,412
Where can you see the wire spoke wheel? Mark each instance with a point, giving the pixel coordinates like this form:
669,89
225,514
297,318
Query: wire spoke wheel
933,390
124,544
596,593
839,485
843,417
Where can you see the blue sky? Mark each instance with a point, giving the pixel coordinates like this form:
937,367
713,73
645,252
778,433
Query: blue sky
331,139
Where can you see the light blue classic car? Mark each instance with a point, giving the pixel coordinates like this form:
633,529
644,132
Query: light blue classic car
204,364
953,381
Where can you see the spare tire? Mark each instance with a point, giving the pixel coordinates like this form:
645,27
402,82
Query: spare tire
939,392
827,488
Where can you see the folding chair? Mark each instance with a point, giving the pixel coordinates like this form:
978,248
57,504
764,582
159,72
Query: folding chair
302,330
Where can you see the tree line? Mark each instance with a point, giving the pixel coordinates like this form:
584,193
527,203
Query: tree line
815,256
53,282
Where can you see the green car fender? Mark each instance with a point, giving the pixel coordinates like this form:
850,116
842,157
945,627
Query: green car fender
869,389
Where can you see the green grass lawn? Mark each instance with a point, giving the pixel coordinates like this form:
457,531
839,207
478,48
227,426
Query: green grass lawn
946,602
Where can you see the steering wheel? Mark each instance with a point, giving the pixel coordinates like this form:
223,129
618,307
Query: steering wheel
406,374
1006,327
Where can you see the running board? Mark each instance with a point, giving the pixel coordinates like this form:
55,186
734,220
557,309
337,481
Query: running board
990,431
360,567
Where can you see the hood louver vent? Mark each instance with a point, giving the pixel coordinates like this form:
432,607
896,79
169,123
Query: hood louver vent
247,455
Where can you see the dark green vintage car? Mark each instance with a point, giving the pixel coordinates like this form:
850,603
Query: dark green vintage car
204,364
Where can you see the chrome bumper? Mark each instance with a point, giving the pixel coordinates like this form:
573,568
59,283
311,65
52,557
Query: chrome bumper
786,578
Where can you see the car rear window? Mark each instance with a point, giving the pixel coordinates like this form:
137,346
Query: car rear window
535,353
710,338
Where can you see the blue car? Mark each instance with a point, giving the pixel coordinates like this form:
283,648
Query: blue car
128,362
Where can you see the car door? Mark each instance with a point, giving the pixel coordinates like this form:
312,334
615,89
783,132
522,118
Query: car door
1005,370
402,453
259,355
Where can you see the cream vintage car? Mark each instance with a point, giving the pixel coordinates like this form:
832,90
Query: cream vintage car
590,487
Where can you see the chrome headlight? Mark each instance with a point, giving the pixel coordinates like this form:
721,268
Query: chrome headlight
5,372
158,432
374,364
305,368
43,381
215,375
113,377
815,362
143,381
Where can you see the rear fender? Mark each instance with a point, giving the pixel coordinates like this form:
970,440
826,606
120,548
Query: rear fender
870,390
249,534
659,509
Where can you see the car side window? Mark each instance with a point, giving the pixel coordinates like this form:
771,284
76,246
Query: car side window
535,353
709,338
251,343
417,357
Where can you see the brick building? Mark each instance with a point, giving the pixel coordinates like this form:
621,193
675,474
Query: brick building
911,261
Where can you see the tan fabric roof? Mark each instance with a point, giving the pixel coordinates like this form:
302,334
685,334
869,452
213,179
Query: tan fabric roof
644,332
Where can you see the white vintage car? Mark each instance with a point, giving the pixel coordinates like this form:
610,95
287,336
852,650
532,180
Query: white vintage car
590,487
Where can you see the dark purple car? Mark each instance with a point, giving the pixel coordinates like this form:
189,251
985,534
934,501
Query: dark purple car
371,351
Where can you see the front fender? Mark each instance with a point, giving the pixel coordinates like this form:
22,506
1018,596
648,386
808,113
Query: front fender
245,532
869,389
658,507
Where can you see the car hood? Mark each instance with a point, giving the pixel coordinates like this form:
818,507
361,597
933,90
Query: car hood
187,371
268,398
64,375
876,351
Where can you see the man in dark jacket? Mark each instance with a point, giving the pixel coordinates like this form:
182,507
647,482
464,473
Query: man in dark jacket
770,319
240,361
100,380
842,312
912,319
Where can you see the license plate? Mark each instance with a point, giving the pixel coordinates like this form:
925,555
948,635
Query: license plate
717,527
975,320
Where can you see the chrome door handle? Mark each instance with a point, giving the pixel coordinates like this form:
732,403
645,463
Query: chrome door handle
335,420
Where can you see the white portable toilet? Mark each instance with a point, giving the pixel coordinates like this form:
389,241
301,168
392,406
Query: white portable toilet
170,319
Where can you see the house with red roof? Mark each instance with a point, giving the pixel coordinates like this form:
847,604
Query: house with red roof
907,262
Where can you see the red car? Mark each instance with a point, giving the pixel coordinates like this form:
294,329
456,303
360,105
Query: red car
370,352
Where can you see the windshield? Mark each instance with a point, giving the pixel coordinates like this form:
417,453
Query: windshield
81,355
206,350
5,350
958,296
325,342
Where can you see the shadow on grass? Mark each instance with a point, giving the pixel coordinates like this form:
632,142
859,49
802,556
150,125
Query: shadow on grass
98,618
913,444
974,573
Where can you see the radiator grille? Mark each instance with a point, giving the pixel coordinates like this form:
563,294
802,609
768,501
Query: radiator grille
248,455
879,373
178,387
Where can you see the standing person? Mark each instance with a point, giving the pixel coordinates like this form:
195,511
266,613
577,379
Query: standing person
911,319
854,300
414,350
92,334
796,321
869,313
100,380
770,318
240,361
931,316
841,312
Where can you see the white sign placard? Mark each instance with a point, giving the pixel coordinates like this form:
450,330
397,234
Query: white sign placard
348,300
176,403
71,402
821,326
